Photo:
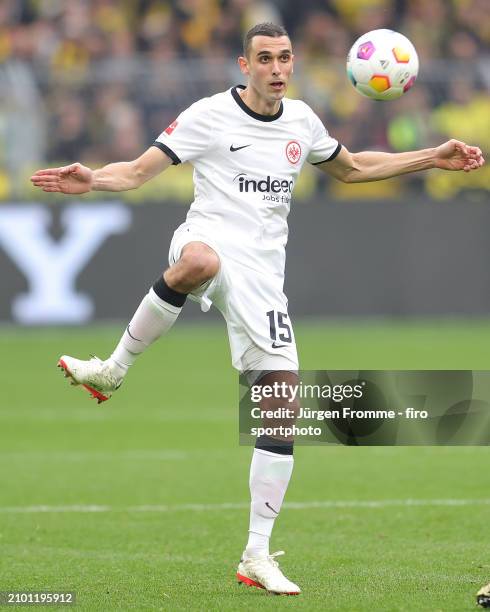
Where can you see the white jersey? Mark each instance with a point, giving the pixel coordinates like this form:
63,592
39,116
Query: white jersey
245,169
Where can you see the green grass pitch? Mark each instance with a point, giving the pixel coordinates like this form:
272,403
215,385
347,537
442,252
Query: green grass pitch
160,469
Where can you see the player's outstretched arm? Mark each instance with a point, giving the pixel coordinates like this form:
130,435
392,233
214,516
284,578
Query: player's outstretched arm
376,165
121,176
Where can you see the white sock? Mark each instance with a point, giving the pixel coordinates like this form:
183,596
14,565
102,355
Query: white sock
257,545
269,478
153,318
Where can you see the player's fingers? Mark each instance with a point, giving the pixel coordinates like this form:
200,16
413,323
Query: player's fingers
479,161
40,182
465,149
45,177
47,172
51,189
43,185
474,150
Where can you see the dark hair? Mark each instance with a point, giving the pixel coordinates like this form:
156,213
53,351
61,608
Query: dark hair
262,29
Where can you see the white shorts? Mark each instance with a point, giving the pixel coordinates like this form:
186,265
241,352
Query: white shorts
253,305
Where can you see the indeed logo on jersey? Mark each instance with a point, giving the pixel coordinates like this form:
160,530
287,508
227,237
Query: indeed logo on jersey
266,185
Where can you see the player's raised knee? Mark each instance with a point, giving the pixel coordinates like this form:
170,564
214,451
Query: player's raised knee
200,262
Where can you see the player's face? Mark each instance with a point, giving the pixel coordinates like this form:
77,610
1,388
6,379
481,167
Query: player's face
268,66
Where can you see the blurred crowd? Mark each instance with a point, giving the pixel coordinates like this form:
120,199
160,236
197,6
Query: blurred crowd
98,80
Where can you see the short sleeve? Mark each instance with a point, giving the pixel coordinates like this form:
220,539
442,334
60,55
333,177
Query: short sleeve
189,136
323,146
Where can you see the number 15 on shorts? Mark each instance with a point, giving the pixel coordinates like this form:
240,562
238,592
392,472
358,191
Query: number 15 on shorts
280,329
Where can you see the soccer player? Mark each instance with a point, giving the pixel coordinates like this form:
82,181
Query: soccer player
247,146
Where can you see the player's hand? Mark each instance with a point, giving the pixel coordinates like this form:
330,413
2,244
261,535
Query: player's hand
456,155
73,179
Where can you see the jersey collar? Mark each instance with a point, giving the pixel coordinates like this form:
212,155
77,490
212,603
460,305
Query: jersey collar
249,111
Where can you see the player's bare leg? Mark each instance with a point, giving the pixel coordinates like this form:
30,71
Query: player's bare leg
155,315
270,472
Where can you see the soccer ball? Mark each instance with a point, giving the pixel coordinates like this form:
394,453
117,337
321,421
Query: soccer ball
382,64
